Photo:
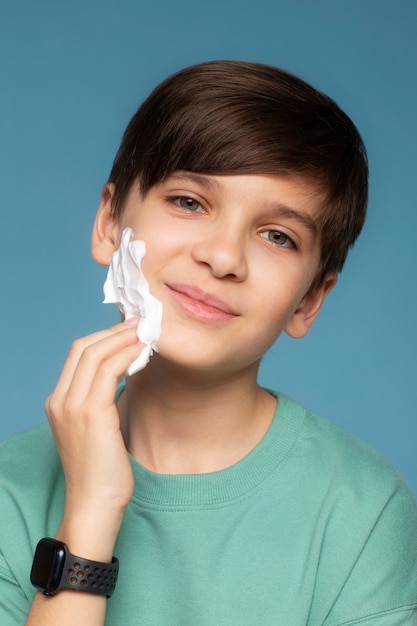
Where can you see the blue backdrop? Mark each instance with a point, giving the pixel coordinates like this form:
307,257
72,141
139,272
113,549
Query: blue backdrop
72,74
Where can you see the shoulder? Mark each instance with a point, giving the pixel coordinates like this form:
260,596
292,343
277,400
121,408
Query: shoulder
31,477
334,454
28,456
366,518
30,469
23,440
337,478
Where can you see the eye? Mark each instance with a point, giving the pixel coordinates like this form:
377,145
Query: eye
278,238
188,204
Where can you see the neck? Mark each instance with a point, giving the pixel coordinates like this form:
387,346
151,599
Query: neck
181,422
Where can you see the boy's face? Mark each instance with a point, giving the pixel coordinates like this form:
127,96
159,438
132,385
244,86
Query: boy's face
230,257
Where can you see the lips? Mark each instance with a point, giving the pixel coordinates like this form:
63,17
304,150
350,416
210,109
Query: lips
200,304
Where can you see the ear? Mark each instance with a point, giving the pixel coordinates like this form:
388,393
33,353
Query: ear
308,309
104,237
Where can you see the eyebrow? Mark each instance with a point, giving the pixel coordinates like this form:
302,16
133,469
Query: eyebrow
209,182
283,210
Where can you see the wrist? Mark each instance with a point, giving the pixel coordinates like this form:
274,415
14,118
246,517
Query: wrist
93,537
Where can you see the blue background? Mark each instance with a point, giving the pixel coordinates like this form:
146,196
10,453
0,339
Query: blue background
72,74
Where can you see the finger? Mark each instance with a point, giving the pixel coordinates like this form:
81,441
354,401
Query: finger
54,402
109,358
77,349
101,396
116,366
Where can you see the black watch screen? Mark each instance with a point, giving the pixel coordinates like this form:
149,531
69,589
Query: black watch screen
48,565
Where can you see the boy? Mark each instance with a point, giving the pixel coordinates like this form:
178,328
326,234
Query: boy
224,503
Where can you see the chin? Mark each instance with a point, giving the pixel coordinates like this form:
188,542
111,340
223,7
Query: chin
198,362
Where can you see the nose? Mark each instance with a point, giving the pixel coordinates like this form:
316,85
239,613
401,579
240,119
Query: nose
222,247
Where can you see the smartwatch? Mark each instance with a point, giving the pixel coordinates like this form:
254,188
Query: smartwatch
55,568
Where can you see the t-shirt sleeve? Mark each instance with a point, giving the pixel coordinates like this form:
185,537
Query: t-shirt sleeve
14,605
381,587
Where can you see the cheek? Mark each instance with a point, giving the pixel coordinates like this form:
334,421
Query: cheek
275,298
284,279
156,264
155,241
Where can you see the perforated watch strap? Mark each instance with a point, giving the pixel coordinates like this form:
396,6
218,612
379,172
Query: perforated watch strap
91,576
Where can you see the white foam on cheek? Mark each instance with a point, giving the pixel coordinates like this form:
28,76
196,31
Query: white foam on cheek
127,287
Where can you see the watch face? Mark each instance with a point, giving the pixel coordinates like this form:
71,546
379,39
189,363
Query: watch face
48,564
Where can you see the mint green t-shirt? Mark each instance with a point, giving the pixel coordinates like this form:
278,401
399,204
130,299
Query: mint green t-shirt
311,528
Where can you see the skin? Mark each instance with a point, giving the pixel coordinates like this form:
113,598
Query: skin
232,259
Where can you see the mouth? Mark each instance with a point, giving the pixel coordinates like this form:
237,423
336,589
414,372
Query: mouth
201,305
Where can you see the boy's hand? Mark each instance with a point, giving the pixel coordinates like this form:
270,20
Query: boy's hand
86,426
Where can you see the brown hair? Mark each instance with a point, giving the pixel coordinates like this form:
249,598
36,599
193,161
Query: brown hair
231,117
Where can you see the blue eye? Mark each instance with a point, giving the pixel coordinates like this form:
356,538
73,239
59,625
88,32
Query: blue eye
188,204
278,238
